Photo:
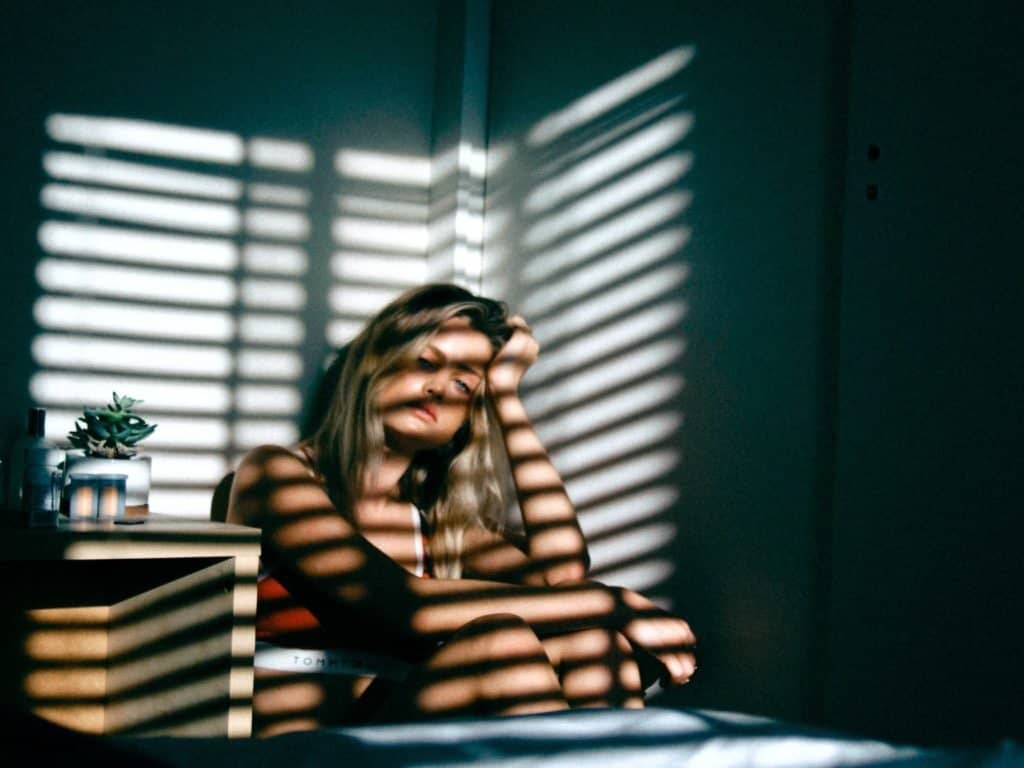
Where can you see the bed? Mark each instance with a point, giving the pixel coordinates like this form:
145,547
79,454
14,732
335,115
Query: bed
574,739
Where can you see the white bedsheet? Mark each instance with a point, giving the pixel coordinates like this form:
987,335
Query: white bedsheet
606,738
638,738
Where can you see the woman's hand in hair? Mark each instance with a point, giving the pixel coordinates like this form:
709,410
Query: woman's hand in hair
555,545
513,359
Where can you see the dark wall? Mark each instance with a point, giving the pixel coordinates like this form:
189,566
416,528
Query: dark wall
848,487
927,576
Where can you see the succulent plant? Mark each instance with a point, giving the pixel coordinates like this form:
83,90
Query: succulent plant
113,432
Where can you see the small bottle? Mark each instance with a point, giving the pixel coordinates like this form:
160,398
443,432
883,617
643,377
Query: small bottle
40,495
15,469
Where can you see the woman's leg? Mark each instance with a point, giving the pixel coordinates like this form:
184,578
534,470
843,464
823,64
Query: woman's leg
495,665
596,668
302,701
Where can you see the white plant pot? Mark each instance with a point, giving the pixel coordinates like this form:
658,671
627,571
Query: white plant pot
137,468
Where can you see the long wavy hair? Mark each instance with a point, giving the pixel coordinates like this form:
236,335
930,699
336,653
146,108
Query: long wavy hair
456,485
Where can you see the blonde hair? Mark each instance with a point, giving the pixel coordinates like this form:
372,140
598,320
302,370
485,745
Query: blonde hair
456,485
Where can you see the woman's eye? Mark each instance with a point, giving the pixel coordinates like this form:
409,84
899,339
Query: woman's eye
425,364
463,387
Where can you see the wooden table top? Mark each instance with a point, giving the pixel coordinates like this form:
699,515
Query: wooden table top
157,536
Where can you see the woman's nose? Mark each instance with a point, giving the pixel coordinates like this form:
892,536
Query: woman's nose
433,386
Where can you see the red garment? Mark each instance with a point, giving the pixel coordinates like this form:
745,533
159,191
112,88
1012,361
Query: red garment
282,620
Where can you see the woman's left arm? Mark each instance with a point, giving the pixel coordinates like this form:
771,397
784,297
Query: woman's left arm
555,546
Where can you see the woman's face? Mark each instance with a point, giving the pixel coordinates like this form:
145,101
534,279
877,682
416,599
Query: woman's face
425,404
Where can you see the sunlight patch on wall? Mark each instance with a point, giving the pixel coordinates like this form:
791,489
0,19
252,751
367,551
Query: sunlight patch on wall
457,214
107,317
609,271
281,155
629,510
380,232
384,168
586,351
276,224
593,239
279,194
468,228
357,267
606,410
174,271
264,329
616,374
626,152
383,234
162,394
136,208
146,138
273,259
378,208
273,294
624,476
93,241
635,294
614,94
613,442
78,278
590,247
608,199
87,353
634,545
68,166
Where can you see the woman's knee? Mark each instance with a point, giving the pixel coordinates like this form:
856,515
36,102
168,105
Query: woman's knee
500,636
493,664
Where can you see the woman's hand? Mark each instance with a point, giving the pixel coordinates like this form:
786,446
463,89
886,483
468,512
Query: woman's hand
513,359
661,634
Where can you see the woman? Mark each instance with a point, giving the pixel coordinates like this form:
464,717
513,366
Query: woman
382,535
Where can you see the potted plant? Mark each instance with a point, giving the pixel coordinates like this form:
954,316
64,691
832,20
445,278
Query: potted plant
106,441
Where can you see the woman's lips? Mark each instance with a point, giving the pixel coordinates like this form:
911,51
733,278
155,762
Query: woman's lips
425,411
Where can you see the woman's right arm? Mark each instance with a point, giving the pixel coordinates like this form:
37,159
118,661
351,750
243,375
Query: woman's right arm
325,562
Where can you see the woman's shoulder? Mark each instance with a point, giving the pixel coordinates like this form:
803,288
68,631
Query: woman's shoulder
275,462
262,470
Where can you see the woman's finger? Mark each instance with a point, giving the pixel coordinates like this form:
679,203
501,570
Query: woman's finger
680,666
519,322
